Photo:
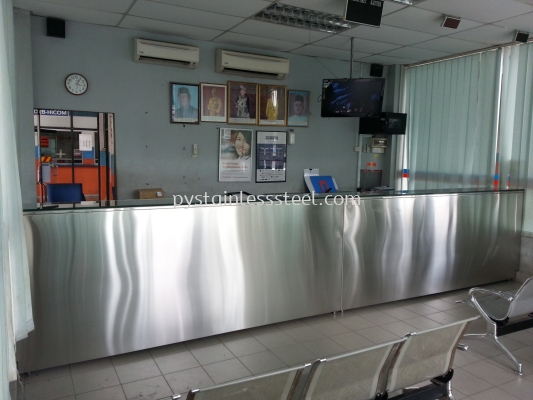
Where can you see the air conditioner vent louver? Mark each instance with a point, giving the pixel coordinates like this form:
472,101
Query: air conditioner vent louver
255,65
161,53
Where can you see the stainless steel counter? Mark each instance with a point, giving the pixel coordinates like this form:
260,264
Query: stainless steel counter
109,281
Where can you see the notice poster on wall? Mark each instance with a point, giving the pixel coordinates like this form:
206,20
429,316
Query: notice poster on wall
271,154
235,156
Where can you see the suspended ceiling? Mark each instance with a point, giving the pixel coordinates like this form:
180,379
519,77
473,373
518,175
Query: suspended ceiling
408,34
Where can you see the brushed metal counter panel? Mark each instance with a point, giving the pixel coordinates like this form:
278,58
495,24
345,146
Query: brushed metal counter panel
401,247
109,282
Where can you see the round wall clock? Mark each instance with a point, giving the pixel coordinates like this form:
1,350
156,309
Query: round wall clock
76,84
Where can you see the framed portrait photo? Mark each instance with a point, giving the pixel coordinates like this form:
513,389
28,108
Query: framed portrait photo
213,105
298,108
272,105
184,100
242,103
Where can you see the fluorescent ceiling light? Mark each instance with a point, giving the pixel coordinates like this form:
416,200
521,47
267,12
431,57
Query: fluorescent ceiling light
303,18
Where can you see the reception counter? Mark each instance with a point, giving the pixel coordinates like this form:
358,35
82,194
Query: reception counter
113,279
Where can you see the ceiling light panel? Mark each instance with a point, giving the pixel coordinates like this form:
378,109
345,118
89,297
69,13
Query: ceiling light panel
303,18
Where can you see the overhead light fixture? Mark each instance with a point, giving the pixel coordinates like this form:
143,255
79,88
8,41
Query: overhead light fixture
303,18
451,22
521,37
406,2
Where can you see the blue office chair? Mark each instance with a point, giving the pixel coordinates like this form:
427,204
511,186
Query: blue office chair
64,192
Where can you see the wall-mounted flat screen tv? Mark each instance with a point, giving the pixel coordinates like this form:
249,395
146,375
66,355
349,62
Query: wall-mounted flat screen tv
352,97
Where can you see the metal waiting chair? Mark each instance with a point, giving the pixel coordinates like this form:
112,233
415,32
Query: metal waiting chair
358,375
279,385
427,355
505,312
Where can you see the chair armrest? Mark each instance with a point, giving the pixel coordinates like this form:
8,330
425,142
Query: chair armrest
504,295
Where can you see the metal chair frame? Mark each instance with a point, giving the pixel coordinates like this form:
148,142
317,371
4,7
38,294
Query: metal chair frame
499,325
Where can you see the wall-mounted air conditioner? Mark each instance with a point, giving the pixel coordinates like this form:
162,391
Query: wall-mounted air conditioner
258,66
177,55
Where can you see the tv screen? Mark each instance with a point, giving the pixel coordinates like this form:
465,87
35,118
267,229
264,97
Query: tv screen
352,97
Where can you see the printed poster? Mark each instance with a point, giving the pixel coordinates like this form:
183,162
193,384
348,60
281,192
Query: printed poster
271,154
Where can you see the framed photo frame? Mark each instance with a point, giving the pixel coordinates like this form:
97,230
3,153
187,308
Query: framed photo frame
213,105
272,105
235,155
184,100
271,153
298,108
242,103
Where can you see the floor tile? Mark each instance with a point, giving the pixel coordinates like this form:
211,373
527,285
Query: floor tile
352,341
169,349
319,318
183,381
377,335
421,309
45,374
233,336
49,389
176,362
137,371
400,313
482,347
226,371
294,354
274,340
245,346
493,394
463,358
304,333
490,372
443,318
290,324
356,322
324,347
399,328
505,362
468,383
422,323
330,328
443,305
260,363
111,393
95,380
520,388
147,389
91,365
203,342
212,354
378,317
523,337
463,312
131,357
262,330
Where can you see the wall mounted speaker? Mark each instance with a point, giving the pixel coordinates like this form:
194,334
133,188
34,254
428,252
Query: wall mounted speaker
521,37
376,70
55,27
451,22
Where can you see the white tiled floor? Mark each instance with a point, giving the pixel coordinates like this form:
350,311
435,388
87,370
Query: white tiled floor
482,373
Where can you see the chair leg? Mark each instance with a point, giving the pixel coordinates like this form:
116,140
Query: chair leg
449,390
462,346
493,334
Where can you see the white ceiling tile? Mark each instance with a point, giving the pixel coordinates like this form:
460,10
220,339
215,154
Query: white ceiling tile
389,34
180,15
256,42
487,34
421,20
116,6
238,8
379,59
280,32
168,28
414,53
450,45
325,52
520,23
360,45
478,10
390,7
78,14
